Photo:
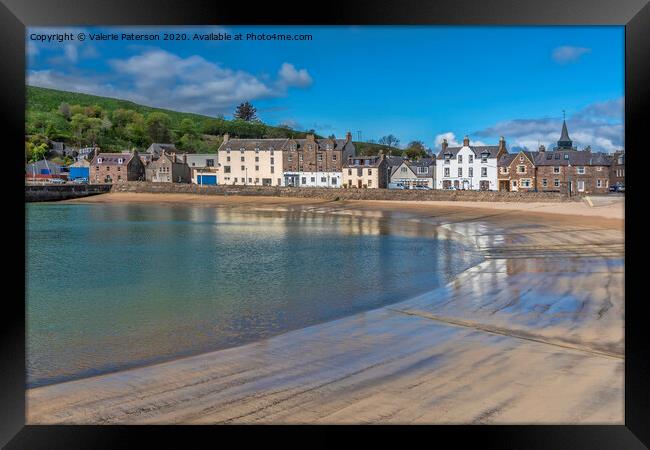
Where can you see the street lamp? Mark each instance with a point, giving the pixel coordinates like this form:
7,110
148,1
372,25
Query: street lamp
569,173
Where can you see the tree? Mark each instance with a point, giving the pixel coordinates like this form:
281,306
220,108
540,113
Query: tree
416,150
389,141
157,127
187,128
246,111
35,152
64,109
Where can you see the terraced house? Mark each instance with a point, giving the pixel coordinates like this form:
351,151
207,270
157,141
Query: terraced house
116,167
564,169
410,174
316,162
469,167
255,162
365,172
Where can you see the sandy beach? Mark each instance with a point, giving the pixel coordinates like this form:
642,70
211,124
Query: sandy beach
533,334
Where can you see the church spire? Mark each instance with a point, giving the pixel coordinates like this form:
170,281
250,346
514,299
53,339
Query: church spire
565,142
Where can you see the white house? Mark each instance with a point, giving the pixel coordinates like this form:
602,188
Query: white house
313,179
420,173
469,167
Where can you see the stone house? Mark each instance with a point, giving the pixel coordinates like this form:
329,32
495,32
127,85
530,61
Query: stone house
116,167
365,172
617,169
469,167
168,169
203,167
563,169
414,173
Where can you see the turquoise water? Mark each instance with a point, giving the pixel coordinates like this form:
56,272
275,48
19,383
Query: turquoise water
111,286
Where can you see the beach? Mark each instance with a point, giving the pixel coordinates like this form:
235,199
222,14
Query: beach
533,334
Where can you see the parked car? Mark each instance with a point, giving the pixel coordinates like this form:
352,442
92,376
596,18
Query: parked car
56,181
396,186
421,188
618,187
80,181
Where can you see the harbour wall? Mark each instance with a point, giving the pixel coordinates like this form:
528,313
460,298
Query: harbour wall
50,193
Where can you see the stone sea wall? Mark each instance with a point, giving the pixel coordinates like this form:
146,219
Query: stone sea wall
342,194
50,193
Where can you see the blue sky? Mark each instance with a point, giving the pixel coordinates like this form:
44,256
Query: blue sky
418,83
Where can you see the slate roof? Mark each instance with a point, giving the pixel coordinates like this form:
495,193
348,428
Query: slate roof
112,159
360,161
41,164
157,148
281,144
492,150
575,158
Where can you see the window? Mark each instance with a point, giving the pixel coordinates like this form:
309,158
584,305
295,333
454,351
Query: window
423,170
599,183
272,169
309,147
119,168
272,161
333,180
120,160
257,150
257,159
323,180
227,158
119,177
241,150
484,171
521,169
304,180
566,156
300,158
484,157
313,179
521,158
556,169
241,159
581,186
460,171
257,168
620,160
334,157
557,156
226,169
403,170
243,168
289,158
549,156
599,169
581,170
525,182
446,171
514,183
369,183
460,159
349,171
99,160
320,157
556,182
471,172
544,182
471,159
257,180
369,171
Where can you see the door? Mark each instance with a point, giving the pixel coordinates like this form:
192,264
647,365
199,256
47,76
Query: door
207,180
581,186
485,185
359,183
513,185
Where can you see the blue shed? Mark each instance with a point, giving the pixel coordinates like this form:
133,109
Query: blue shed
79,172
206,179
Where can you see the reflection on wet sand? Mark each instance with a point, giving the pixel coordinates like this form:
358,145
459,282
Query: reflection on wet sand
534,334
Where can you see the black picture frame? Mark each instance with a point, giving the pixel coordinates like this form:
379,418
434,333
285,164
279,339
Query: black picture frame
15,15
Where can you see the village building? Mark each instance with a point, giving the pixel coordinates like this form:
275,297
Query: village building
43,169
469,167
156,149
116,167
563,169
617,169
410,174
168,168
80,169
203,168
315,162
255,162
365,172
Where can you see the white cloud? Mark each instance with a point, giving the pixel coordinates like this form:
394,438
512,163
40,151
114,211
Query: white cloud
289,76
453,142
163,79
599,125
567,54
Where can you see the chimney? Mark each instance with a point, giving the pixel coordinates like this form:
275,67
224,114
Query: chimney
310,137
466,141
226,137
588,148
348,136
444,145
542,149
502,143
95,152
184,158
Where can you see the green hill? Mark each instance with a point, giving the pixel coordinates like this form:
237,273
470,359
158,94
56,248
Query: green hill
115,125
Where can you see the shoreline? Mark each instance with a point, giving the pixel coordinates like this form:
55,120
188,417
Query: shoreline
410,314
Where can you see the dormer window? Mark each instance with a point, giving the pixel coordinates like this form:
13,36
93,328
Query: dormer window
460,159
227,149
99,160
241,150
120,160
484,157
557,156
566,156
257,149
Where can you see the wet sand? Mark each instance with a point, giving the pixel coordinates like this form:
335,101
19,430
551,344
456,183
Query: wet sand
534,334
